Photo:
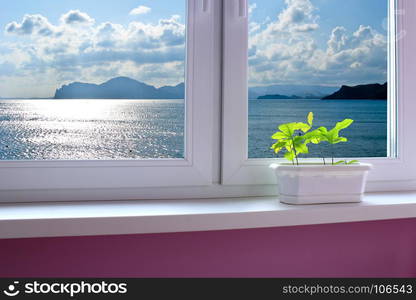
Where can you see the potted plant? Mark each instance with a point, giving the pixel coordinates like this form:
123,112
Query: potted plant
312,183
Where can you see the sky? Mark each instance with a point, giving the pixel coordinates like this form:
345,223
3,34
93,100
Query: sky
47,43
327,42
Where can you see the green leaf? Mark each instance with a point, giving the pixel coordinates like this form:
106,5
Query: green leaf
310,119
333,134
300,144
337,140
304,127
290,156
288,129
290,138
315,141
344,124
323,130
334,138
353,162
302,148
314,137
279,136
297,140
278,146
340,162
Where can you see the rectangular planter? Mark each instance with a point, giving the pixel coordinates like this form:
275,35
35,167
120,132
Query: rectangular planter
317,184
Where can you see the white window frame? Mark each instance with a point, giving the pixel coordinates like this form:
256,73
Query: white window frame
134,179
398,172
216,131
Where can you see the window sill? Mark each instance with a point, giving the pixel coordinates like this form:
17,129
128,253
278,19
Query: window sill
159,216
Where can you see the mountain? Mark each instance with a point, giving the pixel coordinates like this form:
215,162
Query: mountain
127,88
119,88
173,92
302,91
306,96
269,97
367,91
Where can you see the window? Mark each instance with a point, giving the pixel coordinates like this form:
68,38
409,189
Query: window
99,149
85,81
287,43
300,55
216,65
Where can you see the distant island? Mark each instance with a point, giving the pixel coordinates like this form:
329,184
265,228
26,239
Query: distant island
278,96
267,97
128,88
291,91
119,88
360,92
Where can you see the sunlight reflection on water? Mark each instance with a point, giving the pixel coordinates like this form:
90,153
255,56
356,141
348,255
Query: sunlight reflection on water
137,129
91,129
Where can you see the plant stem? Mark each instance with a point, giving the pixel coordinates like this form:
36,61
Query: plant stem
323,158
294,151
332,150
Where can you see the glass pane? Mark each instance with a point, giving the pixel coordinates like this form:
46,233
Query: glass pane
92,79
329,57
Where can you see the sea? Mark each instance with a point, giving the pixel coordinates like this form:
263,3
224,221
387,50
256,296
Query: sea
148,129
367,136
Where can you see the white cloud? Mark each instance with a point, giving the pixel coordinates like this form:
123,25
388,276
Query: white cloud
299,15
348,58
78,49
76,17
252,7
282,50
31,25
140,10
286,51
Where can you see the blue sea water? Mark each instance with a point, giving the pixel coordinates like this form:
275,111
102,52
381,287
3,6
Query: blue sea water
133,129
367,135
91,129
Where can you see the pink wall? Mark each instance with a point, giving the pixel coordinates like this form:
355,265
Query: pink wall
368,249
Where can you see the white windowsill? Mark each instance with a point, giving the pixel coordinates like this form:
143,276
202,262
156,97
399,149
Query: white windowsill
157,216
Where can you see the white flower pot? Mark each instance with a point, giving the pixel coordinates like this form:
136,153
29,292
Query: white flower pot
315,183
